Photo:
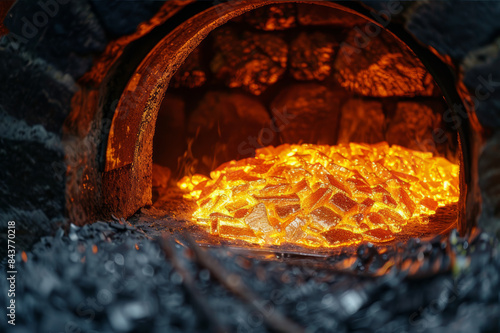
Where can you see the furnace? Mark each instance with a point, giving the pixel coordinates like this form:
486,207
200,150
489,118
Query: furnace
251,166
310,127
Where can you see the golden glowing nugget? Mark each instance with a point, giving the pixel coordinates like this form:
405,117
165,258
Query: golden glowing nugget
322,196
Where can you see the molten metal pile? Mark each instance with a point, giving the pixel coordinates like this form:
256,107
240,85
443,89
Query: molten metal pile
325,196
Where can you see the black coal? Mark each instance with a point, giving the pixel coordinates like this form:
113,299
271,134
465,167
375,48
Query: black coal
111,277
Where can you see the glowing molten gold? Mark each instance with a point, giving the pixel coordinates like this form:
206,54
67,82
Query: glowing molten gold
322,196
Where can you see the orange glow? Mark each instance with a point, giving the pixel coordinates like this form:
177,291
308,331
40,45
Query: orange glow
24,256
94,249
322,196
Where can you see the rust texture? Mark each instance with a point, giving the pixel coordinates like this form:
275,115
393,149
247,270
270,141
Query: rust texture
83,190
114,182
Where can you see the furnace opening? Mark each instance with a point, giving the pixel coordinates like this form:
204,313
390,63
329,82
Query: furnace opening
301,125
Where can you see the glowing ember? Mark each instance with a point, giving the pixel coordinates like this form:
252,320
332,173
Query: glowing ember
324,196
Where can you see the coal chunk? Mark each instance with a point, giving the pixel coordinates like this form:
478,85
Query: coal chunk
122,17
489,179
481,77
43,27
34,92
461,31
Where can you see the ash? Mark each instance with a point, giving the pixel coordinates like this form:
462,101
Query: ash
111,277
